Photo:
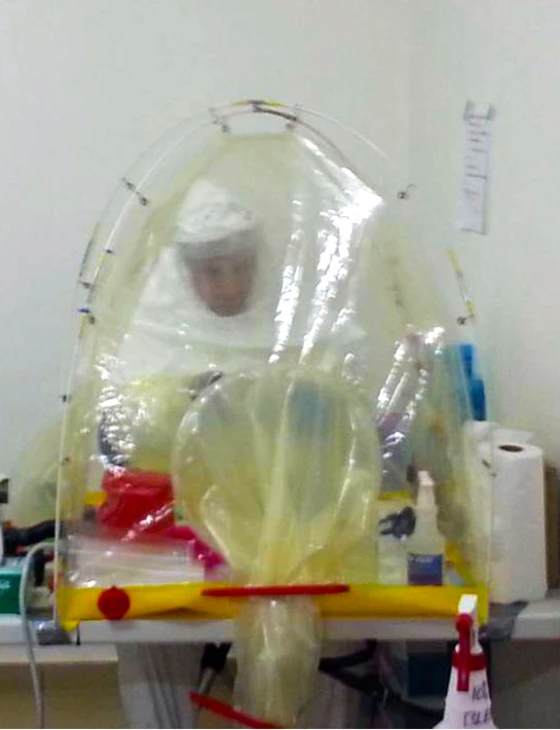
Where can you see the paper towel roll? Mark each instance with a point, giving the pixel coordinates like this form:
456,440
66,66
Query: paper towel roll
518,553
511,435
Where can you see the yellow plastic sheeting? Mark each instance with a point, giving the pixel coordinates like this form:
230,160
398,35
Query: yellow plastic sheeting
280,472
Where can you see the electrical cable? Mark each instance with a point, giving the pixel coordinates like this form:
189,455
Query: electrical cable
28,634
15,538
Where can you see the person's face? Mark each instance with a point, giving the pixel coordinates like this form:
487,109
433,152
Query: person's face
224,283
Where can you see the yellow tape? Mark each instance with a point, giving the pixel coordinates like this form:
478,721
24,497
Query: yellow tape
469,305
454,260
95,499
403,495
260,102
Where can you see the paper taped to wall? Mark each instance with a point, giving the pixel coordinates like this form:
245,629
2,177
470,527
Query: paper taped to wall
474,179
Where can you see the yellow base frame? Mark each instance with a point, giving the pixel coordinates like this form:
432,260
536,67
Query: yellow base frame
362,601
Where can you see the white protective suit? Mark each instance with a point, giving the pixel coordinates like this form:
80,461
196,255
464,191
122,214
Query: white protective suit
173,330
155,679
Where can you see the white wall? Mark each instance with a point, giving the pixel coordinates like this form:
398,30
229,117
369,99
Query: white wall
506,52
86,86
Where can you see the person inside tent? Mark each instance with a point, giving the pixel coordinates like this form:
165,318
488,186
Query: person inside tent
196,319
222,271
208,309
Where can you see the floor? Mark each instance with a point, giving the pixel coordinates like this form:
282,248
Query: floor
526,679
76,696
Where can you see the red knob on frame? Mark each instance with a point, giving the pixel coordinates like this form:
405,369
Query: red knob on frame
114,603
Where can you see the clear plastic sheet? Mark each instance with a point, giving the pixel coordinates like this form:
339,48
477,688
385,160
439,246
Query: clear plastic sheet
278,652
33,489
261,373
280,472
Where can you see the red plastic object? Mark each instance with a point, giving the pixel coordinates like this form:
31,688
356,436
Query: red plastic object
140,503
199,549
137,501
114,603
227,711
276,591
463,660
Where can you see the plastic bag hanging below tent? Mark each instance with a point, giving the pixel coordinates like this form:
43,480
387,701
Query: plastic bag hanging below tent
280,472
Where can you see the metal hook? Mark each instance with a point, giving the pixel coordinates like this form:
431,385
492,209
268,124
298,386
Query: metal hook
142,199
88,313
219,120
463,320
295,119
405,194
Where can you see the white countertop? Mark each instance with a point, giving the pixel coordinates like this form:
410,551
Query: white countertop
540,620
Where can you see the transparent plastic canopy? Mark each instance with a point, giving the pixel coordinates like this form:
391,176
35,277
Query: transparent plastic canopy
262,370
